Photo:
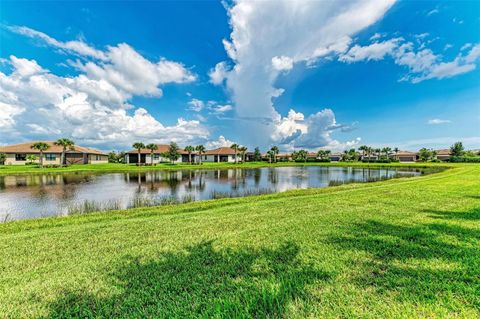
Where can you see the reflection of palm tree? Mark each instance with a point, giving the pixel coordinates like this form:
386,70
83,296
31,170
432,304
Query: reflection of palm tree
139,182
189,184
201,182
257,175
272,176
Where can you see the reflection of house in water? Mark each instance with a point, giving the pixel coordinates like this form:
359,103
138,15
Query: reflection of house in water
59,186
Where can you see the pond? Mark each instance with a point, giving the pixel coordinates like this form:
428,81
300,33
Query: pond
33,196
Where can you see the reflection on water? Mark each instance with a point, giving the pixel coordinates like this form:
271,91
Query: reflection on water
54,194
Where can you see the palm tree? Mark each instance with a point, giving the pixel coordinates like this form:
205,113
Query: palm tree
42,147
243,150
138,146
200,150
152,147
364,149
303,154
235,148
31,158
3,158
387,151
323,154
369,152
270,155
275,151
190,149
64,143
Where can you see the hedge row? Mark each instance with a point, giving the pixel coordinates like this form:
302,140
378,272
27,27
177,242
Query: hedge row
464,159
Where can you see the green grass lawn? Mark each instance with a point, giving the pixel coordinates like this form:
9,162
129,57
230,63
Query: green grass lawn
113,167
404,248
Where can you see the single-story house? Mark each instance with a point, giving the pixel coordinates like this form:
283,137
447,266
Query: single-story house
443,155
284,157
405,156
249,156
146,155
17,154
371,157
335,157
221,154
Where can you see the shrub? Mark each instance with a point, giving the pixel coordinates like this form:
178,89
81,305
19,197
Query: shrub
464,159
324,160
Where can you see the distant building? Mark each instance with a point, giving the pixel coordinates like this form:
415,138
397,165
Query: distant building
443,155
146,155
371,157
221,154
17,154
405,156
336,157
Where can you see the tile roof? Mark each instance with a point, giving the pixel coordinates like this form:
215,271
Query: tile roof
404,153
161,148
26,148
443,152
221,151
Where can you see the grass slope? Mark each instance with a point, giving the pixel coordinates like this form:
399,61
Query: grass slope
395,249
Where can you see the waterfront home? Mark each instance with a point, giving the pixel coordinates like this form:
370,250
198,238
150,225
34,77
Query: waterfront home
405,156
146,155
335,157
443,155
221,154
284,157
371,157
17,154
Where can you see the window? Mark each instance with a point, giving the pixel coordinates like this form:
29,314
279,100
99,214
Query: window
50,157
98,158
205,157
156,156
20,157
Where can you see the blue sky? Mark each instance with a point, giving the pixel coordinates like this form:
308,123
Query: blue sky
295,74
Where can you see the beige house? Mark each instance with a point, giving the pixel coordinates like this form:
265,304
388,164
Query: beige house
146,155
221,154
405,156
443,155
17,154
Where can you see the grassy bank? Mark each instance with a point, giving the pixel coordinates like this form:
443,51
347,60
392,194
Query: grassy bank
394,249
113,167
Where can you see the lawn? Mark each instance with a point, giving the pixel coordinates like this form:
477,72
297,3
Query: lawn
404,248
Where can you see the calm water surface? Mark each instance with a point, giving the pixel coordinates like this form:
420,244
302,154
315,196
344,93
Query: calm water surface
33,196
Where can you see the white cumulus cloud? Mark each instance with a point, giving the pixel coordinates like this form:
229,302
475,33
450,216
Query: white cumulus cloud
270,37
36,104
422,63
